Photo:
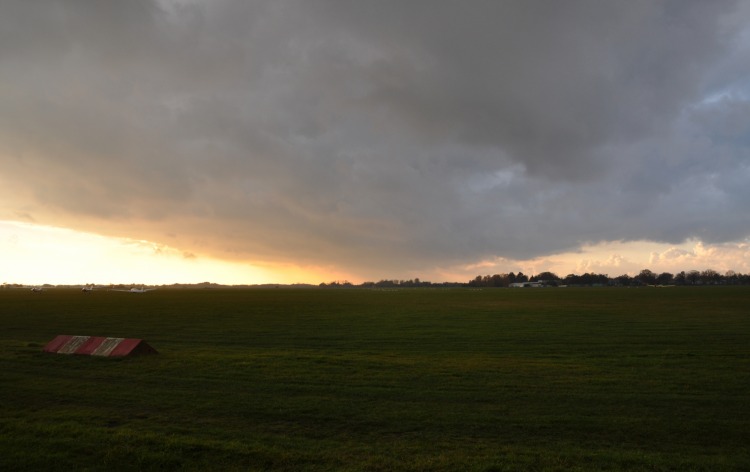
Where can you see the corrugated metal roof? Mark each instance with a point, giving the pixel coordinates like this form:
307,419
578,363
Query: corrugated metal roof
98,346
106,346
57,343
72,346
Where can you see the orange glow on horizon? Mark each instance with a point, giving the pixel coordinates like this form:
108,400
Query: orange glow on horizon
35,254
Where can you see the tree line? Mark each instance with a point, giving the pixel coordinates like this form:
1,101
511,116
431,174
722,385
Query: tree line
391,283
643,278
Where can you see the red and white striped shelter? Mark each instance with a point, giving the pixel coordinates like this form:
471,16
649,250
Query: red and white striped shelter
98,346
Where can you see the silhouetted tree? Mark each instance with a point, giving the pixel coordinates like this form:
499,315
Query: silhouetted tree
710,277
545,276
665,278
646,277
692,277
498,280
624,280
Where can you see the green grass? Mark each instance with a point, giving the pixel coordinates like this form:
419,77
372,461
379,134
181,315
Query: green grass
491,380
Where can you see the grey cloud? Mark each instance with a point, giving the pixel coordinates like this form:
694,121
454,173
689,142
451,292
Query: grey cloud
547,83
380,136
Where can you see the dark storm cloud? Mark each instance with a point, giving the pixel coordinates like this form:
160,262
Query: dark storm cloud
379,136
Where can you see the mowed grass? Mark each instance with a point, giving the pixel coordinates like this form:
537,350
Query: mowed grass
361,380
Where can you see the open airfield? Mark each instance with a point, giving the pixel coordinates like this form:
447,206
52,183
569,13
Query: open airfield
354,379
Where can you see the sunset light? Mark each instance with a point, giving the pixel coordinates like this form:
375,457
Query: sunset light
34,254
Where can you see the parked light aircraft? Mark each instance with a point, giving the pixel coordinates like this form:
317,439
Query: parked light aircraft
87,289
135,290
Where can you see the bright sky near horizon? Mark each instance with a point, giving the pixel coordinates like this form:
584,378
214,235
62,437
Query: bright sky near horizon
282,141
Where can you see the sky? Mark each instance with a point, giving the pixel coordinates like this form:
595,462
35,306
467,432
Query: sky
291,141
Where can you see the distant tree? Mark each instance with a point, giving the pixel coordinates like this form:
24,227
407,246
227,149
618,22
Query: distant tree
476,282
710,277
646,277
680,278
337,284
499,280
591,278
385,283
665,278
624,280
546,276
571,279
601,279
693,277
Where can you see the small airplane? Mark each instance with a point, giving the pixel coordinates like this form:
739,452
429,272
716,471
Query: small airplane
37,289
135,290
86,289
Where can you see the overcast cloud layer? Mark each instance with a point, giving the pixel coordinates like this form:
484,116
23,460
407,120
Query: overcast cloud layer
381,137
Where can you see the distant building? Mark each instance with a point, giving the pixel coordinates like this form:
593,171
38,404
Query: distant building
526,285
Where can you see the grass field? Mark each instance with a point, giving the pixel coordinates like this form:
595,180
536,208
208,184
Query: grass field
359,380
